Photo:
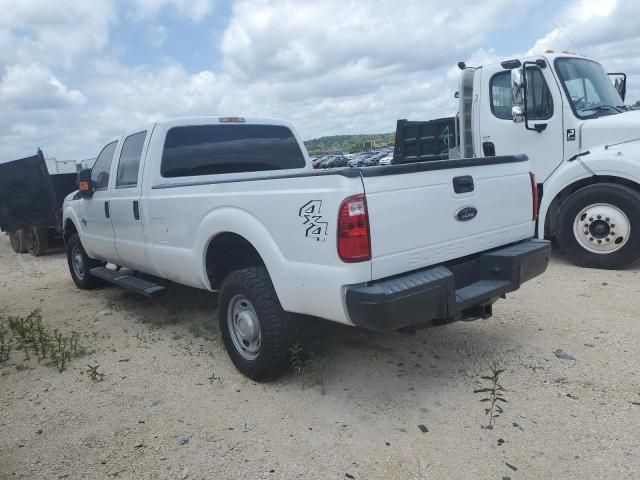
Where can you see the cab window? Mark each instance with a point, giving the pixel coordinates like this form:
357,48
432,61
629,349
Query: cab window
129,164
539,101
102,167
215,149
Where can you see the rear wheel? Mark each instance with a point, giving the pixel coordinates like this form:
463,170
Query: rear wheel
256,331
599,226
80,264
35,240
17,241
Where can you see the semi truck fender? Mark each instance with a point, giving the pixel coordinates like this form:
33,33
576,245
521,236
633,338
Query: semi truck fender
605,165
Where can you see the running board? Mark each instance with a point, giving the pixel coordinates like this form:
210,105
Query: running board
135,284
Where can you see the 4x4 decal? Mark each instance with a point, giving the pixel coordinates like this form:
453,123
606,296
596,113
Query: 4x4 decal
313,220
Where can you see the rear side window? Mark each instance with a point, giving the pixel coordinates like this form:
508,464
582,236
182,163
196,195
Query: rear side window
102,167
214,149
130,160
539,101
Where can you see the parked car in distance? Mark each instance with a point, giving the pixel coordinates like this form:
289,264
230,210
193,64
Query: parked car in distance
232,204
386,160
340,161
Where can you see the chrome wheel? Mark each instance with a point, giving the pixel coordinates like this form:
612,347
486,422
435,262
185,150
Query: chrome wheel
78,262
244,327
602,228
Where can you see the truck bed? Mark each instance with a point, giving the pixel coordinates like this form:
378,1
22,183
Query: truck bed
29,196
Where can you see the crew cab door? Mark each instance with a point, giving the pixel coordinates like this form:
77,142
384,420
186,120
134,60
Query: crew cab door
95,215
499,135
125,203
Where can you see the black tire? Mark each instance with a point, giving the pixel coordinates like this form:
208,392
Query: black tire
624,199
80,273
36,240
275,325
17,241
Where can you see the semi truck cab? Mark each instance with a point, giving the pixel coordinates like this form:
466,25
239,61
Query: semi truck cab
567,114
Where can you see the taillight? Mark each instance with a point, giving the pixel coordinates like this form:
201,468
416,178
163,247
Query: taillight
534,194
354,244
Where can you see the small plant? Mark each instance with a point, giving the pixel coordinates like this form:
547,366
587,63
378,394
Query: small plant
494,395
32,336
24,329
5,343
214,378
42,342
309,364
296,353
94,374
61,351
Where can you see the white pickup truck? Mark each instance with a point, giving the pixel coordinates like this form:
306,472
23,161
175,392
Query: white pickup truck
233,205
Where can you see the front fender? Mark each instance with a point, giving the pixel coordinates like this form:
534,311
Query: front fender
600,163
68,213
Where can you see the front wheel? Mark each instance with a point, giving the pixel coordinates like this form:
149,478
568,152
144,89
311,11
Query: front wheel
80,264
599,226
255,329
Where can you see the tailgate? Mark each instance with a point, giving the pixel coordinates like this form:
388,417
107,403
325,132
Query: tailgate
418,219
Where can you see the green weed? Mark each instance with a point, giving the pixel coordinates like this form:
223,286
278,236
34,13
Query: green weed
494,395
5,343
309,364
94,374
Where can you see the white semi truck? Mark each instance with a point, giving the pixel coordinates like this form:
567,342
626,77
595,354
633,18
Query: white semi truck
567,114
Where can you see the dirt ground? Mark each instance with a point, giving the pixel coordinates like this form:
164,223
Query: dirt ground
167,376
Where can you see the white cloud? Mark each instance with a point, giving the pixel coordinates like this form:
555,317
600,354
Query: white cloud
294,40
34,87
196,10
330,66
52,32
605,30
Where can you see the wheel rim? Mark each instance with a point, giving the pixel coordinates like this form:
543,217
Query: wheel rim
602,228
77,262
244,327
29,240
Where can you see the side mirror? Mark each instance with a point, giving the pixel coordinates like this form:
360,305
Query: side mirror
518,86
620,84
85,188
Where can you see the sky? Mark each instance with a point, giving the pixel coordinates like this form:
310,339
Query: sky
75,74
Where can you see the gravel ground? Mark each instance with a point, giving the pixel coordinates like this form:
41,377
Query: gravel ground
356,415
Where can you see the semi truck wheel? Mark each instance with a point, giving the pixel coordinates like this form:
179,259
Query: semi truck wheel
35,240
17,241
255,329
80,264
599,226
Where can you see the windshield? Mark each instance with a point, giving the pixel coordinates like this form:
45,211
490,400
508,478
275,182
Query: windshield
588,86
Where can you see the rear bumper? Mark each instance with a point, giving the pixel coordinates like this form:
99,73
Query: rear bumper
442,294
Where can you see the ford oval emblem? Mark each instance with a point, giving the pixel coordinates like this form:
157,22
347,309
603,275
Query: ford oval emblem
466,213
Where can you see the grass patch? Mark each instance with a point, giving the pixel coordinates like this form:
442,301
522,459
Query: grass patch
34,339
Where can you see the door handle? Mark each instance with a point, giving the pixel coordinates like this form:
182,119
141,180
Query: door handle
136,210
107,213
463,184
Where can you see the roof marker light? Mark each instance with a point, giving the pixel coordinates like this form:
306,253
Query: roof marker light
231,119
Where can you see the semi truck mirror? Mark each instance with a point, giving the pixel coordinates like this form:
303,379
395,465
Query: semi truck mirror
517,95
620,83
85,188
